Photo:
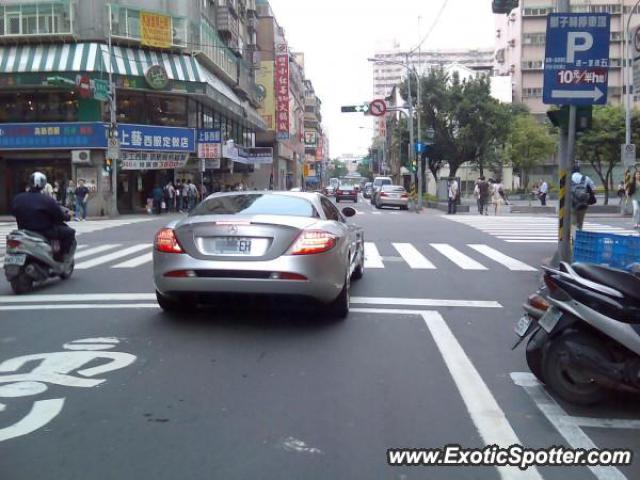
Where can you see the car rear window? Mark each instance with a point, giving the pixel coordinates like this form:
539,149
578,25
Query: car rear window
347,187
392,188
255,204
381,181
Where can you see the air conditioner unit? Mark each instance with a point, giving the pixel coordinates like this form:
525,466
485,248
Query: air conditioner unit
81,157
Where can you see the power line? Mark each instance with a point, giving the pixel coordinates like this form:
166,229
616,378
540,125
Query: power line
432,28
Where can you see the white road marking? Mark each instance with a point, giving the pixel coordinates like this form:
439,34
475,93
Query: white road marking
624,423
572,433
41,413
509,262
530,241
95,251
486,414
136,262
80,306
376,213
372,258
292,444
79,297
424,302
413,257
457,257
112,256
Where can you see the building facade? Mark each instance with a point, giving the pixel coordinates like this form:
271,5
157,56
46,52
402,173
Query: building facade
314,138
186,96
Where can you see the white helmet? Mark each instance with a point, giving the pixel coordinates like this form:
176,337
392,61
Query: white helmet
37,181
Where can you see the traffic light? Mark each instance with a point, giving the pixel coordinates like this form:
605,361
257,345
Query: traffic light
107,165
560,117
504,6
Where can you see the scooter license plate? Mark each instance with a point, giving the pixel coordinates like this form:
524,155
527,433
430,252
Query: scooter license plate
15,259
522,325
550,319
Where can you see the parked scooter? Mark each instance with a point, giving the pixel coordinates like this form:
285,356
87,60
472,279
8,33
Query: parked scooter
584,332
31,259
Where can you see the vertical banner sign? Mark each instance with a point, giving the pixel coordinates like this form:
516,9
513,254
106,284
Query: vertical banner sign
266,88
155,30
320,150
282,92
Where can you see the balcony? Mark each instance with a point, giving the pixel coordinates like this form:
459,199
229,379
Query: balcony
38,21
246,85
228,24
217,55
125,26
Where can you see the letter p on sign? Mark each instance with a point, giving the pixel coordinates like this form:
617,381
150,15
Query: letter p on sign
578,42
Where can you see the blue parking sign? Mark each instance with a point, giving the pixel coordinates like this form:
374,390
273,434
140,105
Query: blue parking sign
576,64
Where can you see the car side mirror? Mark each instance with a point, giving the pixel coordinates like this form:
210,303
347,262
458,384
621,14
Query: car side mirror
349,211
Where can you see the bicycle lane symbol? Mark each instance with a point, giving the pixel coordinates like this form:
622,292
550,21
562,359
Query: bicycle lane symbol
57,368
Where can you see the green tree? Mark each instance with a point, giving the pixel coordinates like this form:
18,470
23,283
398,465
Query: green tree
528,144
467,122
337,169
600,145
364,169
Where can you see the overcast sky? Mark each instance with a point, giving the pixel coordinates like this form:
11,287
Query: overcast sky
337,36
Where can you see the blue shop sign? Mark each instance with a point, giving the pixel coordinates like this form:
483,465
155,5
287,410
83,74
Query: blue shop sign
209,136
52,136
159,139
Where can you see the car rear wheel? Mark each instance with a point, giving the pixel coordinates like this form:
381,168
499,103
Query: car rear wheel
339,308
168,304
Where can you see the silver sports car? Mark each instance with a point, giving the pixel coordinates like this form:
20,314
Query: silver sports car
260,243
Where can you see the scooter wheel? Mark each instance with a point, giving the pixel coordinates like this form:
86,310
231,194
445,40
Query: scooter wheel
571,384
23,283
68,272
534,352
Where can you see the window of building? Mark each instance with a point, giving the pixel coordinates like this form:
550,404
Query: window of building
36,18
39,107
170,111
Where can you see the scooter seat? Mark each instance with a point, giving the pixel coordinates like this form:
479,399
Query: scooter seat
624,282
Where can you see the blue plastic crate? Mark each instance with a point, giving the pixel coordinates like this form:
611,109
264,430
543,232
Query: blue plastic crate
616,251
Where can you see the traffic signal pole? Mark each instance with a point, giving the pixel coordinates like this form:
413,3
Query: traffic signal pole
567,147
113,127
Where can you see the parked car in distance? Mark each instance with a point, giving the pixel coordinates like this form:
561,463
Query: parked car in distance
378,183
329,191
346,191
368,190
392,196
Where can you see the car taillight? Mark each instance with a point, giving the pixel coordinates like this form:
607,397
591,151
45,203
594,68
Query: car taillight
166,241
404,195
313,241
13,243
338,192
383,194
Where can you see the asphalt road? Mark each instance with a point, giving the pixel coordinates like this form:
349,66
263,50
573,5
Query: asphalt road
423,361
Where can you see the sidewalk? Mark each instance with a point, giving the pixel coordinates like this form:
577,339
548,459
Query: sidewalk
11,219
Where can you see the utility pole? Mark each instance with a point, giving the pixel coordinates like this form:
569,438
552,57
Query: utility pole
411,144
567,147
419,108
113,129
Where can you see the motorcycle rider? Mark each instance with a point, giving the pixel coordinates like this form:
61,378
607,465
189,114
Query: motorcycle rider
41,214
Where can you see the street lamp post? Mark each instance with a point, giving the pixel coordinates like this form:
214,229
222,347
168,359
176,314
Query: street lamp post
113,128
628,73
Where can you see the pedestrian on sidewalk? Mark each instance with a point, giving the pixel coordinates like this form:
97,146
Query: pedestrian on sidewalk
158,196
454,191
485,196
497,193
169,196
70,200
582,196
476,193
178,188
543,190
621,193
192,195
634,194
82,198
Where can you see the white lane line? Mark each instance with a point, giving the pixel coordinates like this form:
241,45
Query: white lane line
457,257
624,423
413,257
376,213
79,306
112,256
529,241
95,250
372,258
424,302
572,433
79,297
486,414
509,262
136,262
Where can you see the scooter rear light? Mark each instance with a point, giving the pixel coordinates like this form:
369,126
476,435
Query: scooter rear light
538,302
13,243
554,289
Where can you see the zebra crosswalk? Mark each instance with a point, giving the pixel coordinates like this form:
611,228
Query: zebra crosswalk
407,256
423,258
89,226
530,229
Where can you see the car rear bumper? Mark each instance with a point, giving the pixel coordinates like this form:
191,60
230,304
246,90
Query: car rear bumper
393,202
347,197
323,281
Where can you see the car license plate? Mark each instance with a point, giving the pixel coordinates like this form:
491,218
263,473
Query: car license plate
233,246
15,259
522,325
550,319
